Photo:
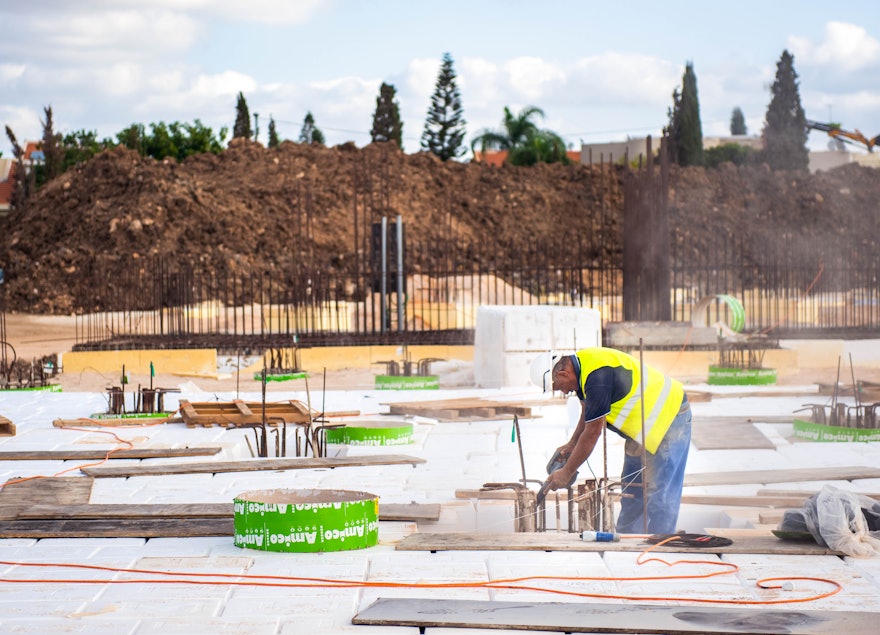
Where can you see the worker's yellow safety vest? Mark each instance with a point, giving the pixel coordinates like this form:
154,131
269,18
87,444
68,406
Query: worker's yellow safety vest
663,396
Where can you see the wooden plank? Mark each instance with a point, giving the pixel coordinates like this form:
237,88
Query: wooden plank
88,455
745,477
503,494
242,407
552,541
743,501
55,490
7,428
117,528
409,512
251,465
805,494
728,435
124,511
387,511
594,617
89,422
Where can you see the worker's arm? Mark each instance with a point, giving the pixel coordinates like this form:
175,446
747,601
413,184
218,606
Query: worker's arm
583,447
566,449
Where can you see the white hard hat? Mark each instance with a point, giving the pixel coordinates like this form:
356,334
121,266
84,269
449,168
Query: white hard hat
542,370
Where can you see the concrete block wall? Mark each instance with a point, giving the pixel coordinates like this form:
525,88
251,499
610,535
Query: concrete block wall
508,338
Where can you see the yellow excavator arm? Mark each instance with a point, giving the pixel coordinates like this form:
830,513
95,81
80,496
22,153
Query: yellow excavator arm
836,132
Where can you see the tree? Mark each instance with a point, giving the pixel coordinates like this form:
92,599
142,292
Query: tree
242,127
672,130
445,125
309,133
273,134
386,120
177,140
21,189
785,126
691,146
685,132
52,158
525,143
738,122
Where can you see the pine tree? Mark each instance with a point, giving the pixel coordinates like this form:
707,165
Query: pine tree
51,149
690,149
242,127
785,127
445,125
386,120
738,122
273,134
309,133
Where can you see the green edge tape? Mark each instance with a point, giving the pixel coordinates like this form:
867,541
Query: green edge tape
404,382
809,431
354,434
308,521
280,376
49,388
721,376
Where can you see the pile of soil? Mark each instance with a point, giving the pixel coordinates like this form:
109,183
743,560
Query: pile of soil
252,209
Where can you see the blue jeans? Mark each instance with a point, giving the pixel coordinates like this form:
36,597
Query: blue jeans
665,478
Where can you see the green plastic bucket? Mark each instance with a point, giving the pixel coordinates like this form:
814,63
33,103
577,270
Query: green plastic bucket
306,521
371,433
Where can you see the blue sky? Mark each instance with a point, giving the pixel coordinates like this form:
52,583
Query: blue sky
601,71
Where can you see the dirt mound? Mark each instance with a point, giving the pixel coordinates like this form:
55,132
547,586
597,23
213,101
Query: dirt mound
258,210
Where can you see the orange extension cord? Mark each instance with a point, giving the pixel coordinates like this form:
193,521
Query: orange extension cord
231,579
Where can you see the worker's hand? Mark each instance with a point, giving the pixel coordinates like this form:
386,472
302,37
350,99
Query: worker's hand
559,479
564,451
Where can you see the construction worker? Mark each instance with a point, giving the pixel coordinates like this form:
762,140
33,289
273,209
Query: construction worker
611,388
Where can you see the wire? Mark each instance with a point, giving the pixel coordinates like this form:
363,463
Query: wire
233,579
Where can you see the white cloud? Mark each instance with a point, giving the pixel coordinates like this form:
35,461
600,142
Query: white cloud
267,11
9,72
846,47
532,77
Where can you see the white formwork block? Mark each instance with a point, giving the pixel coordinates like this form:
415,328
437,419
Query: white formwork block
508,338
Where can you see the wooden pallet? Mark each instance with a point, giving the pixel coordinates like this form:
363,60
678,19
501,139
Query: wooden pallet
237,413
458,409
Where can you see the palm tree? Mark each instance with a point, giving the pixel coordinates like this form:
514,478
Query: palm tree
525,143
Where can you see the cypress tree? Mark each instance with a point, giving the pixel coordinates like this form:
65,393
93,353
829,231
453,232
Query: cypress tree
738,122
445,125
690,149
386,120
242,127
785,126
672,130
50,146
273,134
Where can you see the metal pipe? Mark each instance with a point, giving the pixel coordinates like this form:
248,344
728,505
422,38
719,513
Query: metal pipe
644,451
400,307
383,282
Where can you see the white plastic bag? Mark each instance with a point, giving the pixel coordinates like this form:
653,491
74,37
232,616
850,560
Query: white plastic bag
836,520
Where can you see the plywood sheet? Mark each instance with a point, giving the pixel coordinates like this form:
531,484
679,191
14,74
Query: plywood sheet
611,618
551,541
